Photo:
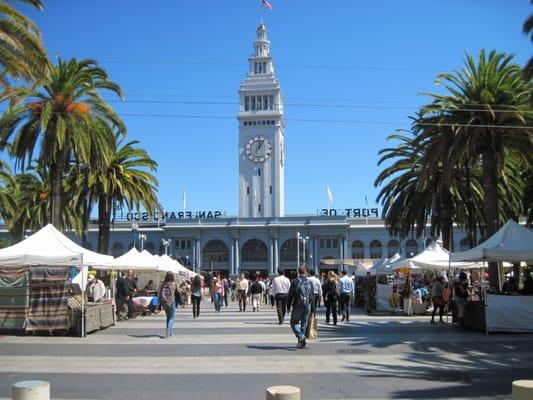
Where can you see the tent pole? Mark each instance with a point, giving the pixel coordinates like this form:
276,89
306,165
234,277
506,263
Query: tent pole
83,303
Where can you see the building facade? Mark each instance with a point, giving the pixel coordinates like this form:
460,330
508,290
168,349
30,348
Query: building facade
261,238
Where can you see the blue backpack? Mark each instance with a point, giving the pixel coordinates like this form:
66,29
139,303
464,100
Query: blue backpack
304,293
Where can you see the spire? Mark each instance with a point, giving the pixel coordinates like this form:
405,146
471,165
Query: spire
261,44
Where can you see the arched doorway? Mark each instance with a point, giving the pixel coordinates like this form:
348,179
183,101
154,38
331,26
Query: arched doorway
376,250
254,257
411,248
393,247
358,249
118,249
215,256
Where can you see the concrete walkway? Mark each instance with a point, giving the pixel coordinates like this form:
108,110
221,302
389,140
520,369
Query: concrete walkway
235,355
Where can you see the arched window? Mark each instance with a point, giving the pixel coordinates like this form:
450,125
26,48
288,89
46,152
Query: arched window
149,247
464,244
288,251
376,250
254,250
118,249
215,250
411,248
393,247
358,249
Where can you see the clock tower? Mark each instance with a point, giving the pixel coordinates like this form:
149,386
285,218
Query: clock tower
261,136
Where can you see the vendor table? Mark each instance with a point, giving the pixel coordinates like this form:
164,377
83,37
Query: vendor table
97,315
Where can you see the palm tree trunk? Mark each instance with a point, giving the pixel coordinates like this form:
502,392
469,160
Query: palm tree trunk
490,208
104,218
57,194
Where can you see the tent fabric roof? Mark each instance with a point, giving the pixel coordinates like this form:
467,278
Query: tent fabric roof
48,246
133,259
382,267
433,257
512,242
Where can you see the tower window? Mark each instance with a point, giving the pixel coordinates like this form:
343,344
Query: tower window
247,189
271,102
246,103
270,189
259,208
253,103
255,68
259,98
259,172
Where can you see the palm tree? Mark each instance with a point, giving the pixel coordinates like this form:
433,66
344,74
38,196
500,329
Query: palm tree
487,106
22,54
63,120
126,179
7,204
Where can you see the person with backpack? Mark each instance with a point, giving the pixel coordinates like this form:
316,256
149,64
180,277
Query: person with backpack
300,297
256,289
167,295
331,296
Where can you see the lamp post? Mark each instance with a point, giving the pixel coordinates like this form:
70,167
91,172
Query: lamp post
297,250
166,243
134,231
142,237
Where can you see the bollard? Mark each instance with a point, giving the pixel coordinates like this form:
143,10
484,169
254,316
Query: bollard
30,390
283,392
522,390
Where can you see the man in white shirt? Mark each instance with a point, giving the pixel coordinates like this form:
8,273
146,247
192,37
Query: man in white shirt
280,290
242,291
317,290
346,290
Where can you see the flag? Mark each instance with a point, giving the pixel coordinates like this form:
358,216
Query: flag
330,195
266,4
184,200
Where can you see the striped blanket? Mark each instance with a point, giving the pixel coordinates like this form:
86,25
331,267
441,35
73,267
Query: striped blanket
48,309
14,295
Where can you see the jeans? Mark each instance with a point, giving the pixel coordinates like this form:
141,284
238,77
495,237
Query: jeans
196,305
299,320
170,311
345,305
218,301
281,305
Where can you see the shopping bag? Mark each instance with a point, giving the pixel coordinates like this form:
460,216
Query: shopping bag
314,327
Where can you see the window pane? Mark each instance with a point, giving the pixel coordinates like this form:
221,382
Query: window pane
253,103
335,243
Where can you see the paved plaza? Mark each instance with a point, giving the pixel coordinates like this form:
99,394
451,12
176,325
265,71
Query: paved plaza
235,355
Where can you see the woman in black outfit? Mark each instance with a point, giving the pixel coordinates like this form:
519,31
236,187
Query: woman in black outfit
330,292
196,295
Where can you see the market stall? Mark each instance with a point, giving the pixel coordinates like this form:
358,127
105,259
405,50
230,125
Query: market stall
503,313
34,281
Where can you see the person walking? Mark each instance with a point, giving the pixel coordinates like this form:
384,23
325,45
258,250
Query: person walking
256,290
368,287
461,296
196,295
437,298
225,282
167,295
242,291
218,293
317,291
300,297
346,291
331,296
280,290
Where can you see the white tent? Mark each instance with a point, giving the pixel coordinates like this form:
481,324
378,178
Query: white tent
434,257
48,246
382,267
135,260
511,242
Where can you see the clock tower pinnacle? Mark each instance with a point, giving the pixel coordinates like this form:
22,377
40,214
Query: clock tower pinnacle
261,136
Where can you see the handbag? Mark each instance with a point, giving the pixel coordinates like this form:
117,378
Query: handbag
314,327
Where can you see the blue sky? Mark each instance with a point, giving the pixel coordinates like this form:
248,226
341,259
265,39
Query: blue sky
364,63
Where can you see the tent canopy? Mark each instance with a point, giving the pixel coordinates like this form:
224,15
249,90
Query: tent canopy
48,246
135,260
382,267
434,257
511,242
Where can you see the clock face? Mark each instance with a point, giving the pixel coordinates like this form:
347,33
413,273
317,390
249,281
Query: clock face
258,149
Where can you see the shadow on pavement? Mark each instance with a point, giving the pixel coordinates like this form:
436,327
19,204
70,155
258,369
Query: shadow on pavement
258,347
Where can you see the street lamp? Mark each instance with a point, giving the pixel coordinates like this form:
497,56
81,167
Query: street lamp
142,237
304,241
166,243
297,250
134,231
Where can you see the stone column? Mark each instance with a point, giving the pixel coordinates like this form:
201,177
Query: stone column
30,390
198,255
232,258
271,256
237,256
